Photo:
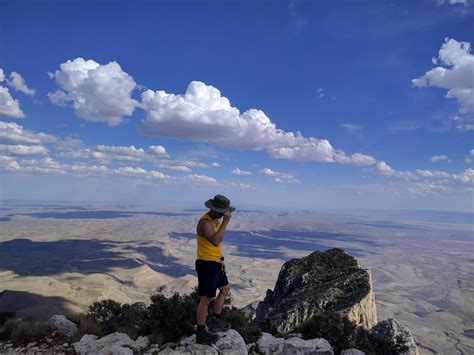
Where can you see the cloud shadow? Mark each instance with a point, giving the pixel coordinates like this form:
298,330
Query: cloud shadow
30,258
96,214
32,305
267,244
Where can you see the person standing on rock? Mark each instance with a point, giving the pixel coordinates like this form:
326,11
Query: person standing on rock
210,268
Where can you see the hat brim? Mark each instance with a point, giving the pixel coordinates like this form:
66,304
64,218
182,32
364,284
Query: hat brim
209,205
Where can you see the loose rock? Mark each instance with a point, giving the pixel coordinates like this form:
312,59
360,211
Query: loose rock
60,323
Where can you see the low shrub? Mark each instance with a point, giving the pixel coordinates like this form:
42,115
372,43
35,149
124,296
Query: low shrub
106,313
173,317
85,325
5,315
112,316
165,319
242,323
336,328
22,332
342,334
134,319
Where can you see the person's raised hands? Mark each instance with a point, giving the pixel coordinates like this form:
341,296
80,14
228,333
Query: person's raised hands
227,216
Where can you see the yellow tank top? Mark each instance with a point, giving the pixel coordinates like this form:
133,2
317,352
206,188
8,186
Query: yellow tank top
205,249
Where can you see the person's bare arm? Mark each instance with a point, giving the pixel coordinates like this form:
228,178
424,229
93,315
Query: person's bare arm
206,229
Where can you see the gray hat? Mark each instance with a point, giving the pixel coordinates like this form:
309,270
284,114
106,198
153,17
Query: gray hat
220,204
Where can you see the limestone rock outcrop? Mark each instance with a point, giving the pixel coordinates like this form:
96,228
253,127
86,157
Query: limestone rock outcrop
143,342
115,343
322,281
269,345
60,323
352,352
397,335
230,342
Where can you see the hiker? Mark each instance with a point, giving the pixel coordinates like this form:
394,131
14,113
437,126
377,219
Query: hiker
210,268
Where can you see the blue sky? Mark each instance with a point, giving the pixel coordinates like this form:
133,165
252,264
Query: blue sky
283,104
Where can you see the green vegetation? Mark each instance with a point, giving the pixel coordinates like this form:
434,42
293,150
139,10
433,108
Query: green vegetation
21,331
5,315
342,334
111,316
171,318
242,323
85,325
166,319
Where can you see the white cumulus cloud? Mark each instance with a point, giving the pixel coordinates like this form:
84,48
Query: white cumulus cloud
463,122
106,154
157,149
8,163
202,114
9,107
20,149
383,169
12,133
18,83
202,179
120,152
432,173
96,92
436,158
355,159
453,2
455,73
278,176
15,140
465,177
237,171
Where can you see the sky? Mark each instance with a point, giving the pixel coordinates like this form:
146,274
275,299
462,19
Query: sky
275,104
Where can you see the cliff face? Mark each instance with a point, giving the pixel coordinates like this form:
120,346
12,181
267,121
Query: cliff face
364,313
322,281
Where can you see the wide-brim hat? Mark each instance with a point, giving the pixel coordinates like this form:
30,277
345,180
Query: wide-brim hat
220,204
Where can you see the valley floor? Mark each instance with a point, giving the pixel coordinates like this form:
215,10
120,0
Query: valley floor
55,259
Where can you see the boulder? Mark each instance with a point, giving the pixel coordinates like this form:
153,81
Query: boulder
301,347
114,349
322,281
191,349
229,342
395,335
270,345
61,324
110,344
352,352
83,346
142,342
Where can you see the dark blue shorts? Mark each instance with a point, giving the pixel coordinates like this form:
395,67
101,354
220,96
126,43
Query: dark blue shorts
210,277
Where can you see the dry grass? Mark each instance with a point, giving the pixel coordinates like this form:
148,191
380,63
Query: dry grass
85,325
22,332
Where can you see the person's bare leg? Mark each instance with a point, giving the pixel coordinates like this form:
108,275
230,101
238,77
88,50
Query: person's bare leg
219,301
201,313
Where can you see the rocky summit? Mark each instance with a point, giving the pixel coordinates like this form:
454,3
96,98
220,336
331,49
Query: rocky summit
331,280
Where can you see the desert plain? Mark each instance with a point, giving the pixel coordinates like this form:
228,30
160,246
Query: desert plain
58,258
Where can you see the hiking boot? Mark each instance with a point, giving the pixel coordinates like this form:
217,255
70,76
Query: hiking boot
218,325
205,337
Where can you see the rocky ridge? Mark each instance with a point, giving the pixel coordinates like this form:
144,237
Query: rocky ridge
322,281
